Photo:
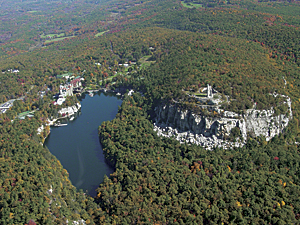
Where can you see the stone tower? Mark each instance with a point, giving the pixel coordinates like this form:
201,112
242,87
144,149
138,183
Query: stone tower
209,91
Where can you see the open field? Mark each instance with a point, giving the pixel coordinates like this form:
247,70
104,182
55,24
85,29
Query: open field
52,35
196,94
144,61
110,78
101,33
200,94
190,5
57,39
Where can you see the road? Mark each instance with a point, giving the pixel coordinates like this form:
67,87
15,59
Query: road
6,105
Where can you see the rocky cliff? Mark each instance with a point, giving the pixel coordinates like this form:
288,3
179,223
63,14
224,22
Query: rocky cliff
231,129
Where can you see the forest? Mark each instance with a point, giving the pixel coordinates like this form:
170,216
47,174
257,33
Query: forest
247,50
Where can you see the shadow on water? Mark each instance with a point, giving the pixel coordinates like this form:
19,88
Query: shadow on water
77,145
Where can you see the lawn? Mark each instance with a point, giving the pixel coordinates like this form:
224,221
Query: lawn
52,35
200,95
28,113
197,94
110,78
191,5
144,61
57,39
101,33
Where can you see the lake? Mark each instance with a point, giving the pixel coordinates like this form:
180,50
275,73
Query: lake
77,145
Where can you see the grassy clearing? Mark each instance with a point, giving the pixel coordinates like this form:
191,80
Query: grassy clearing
191,5
101,33
200,95
31,11
57,39
52,35
110,78
145,62
27,113
196,94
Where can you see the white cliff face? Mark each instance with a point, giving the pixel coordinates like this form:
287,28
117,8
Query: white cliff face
211,131
265,123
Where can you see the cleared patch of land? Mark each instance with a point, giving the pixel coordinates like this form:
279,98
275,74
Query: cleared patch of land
196,94
145,61
200,95
57,39
101,33
190,5
52,35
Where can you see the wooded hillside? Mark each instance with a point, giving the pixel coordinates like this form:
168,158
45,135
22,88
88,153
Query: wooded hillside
247,50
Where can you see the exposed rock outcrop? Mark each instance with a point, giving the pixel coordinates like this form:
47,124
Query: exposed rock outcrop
211,131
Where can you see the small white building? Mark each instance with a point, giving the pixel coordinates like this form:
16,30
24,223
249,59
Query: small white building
130,92
60,101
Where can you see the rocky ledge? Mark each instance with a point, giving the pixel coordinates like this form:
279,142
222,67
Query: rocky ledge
226,131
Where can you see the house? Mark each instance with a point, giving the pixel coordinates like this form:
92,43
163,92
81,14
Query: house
130,92
13,71
68,89
65,90
76,82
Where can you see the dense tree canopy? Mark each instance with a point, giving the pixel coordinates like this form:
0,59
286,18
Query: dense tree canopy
247,50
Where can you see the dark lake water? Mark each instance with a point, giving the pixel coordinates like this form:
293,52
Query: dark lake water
77,145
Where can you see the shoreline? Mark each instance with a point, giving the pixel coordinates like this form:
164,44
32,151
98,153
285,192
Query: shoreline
68,111
72,110
50,122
